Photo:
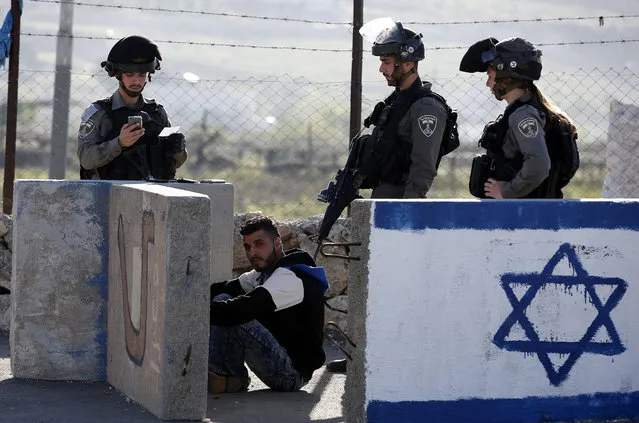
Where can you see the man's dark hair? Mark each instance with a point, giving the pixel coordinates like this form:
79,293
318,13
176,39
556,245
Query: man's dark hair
260,223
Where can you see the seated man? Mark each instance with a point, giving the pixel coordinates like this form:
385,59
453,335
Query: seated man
272,317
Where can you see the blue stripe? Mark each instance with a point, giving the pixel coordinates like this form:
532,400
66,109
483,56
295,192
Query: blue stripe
99,209
507,214
526,410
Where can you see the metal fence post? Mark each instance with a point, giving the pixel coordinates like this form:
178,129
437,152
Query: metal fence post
12,110
356,69
62,93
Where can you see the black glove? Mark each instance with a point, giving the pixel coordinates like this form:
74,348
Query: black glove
174,144
374,116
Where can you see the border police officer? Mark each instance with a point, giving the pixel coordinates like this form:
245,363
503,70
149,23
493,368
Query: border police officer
409,125
400,158
110,145
516,142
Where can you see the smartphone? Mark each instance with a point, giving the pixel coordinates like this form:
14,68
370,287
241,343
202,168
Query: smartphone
136,120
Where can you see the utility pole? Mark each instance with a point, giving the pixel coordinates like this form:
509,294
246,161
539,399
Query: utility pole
62,92
356,69
12,110
356,75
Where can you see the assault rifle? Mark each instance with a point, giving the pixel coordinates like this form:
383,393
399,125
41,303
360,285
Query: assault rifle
339,194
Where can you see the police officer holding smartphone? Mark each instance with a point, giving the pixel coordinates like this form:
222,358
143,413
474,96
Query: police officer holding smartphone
119,136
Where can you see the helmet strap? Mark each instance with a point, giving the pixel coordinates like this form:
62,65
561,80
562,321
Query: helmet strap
126,90
504,85
400,78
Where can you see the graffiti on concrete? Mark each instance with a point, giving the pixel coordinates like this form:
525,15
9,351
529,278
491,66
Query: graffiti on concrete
570,349
135,338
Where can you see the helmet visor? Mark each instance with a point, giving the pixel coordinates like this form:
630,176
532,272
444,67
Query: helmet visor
478,55
383,31
488,55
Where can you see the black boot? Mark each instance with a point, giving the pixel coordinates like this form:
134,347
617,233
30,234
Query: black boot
336,366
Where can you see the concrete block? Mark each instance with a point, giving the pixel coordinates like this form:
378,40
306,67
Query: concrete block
59,282
494,311
355,390
221,196
5,312
159,276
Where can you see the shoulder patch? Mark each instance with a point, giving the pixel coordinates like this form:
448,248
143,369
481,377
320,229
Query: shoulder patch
86,128
528,127
90,111
428,124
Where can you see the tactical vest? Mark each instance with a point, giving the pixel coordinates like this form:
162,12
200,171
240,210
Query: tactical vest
505,169
385,158
143,159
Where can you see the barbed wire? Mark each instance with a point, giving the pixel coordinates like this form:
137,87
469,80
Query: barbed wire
601,19
192,43
193,12
345,50
561,43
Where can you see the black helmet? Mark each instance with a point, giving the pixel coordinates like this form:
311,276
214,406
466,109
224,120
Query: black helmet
513,58
399,42
133,54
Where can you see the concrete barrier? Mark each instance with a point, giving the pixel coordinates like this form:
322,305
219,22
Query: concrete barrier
221,196
159,276
60,268
494,311
59,282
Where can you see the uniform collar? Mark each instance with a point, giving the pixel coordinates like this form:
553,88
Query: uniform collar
523,99
526,97
118,102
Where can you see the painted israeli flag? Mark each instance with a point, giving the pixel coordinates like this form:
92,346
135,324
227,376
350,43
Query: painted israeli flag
503,311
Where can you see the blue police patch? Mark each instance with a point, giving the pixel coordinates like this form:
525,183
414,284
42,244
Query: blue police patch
90,111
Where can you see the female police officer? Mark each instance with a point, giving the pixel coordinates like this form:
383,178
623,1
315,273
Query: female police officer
518,163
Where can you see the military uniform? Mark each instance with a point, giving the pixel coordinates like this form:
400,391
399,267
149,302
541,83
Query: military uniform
519,154
100,151
420,134
525,136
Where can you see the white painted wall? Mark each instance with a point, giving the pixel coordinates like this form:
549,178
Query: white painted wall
436,304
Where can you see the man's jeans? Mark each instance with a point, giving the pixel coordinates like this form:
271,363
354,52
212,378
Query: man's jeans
230,347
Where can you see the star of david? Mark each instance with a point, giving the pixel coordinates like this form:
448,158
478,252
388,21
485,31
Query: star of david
573,350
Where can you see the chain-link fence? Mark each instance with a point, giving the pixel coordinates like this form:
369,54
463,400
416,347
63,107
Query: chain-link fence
280,140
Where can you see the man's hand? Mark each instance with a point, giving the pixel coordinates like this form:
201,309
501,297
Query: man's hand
130,134
492,188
